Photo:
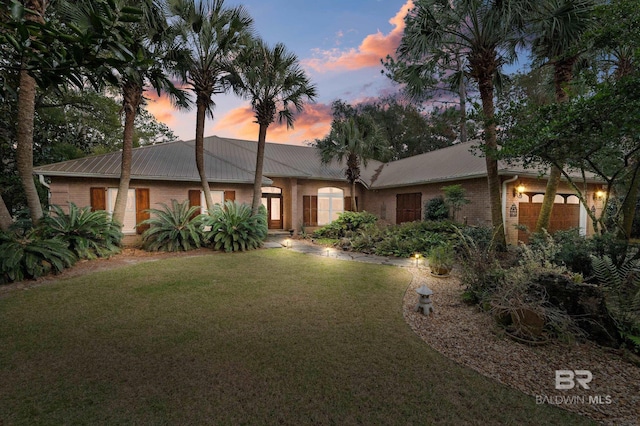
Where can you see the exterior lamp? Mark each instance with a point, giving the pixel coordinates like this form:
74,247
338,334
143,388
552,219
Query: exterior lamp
599,195
417,257
287,243
328,251
518,190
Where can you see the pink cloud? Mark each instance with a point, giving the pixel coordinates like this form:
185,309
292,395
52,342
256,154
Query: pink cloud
373,48
160,107
313,122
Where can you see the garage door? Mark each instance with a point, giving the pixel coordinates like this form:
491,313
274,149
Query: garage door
564,216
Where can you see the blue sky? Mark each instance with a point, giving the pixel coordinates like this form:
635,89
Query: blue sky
339,44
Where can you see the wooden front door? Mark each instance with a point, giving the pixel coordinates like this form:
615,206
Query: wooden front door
273,203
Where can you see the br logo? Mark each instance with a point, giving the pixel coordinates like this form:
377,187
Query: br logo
566,379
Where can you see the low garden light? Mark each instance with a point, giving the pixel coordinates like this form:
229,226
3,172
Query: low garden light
417,258
424,302
287,243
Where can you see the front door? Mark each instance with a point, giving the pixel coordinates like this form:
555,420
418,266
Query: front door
273,204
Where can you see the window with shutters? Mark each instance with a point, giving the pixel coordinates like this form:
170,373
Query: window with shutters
196,198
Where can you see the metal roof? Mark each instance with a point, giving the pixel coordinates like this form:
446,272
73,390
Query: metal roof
233,161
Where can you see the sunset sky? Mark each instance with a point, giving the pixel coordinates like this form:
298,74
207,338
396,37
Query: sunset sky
339,44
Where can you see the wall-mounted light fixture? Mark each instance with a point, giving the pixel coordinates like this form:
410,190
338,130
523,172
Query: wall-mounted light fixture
518,190
599,195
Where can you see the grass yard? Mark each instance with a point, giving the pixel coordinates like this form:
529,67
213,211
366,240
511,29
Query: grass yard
266,337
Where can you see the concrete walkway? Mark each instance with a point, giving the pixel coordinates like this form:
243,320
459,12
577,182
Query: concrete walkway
306,247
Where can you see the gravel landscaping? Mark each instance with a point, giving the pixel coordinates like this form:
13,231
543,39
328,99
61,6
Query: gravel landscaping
470,337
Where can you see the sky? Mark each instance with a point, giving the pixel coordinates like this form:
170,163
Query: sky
339,44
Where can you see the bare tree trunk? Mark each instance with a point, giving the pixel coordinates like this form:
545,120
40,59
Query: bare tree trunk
493,179
257,183
563,74
132,94
629,204
200,119
5,217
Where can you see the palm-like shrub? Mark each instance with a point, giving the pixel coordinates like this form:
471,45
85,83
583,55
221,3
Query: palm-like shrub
234,227
175,228
89,234
26,254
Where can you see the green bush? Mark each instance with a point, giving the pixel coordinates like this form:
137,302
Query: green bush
346,222
234,227
409,238
175,228
26,254
436,209
89,234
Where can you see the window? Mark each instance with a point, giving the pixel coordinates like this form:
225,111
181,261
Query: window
129,225
196,198
330,204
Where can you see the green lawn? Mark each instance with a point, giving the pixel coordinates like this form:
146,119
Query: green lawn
264,337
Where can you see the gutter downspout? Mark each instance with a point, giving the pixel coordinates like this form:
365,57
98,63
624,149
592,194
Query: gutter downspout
504,201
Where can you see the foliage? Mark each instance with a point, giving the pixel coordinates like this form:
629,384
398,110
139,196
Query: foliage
347,221
622,287
571,250
455,198
234,227
175,228
88,234
441,257
407,239
436,209
26,254
481,272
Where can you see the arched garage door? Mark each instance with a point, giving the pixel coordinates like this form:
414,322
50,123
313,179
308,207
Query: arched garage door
565,215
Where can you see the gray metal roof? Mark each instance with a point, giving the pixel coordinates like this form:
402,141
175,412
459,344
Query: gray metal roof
233,161
456,162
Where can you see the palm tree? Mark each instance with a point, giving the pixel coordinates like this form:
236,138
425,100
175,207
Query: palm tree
151,44
355,140
487,33
561,25
214,34
274,82
26,114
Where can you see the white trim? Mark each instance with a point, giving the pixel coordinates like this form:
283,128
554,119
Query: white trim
504,202
583,221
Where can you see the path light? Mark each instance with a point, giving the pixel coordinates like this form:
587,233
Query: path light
287,243
417,257
424,303
328,251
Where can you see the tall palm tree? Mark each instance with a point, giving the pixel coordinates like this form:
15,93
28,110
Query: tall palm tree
558,30
356,140
214,34
487,33
153,53
274,82
26,114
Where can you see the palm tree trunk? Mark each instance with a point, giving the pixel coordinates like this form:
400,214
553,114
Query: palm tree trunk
493,179
257,183
26,115
200,118
132,94
462,92
5,217
354,206
24,149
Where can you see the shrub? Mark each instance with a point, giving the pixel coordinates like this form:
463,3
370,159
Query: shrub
89,234
622,289
574,251
346,222
26,254
406,239
481,272
175,228
234,227
436,209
